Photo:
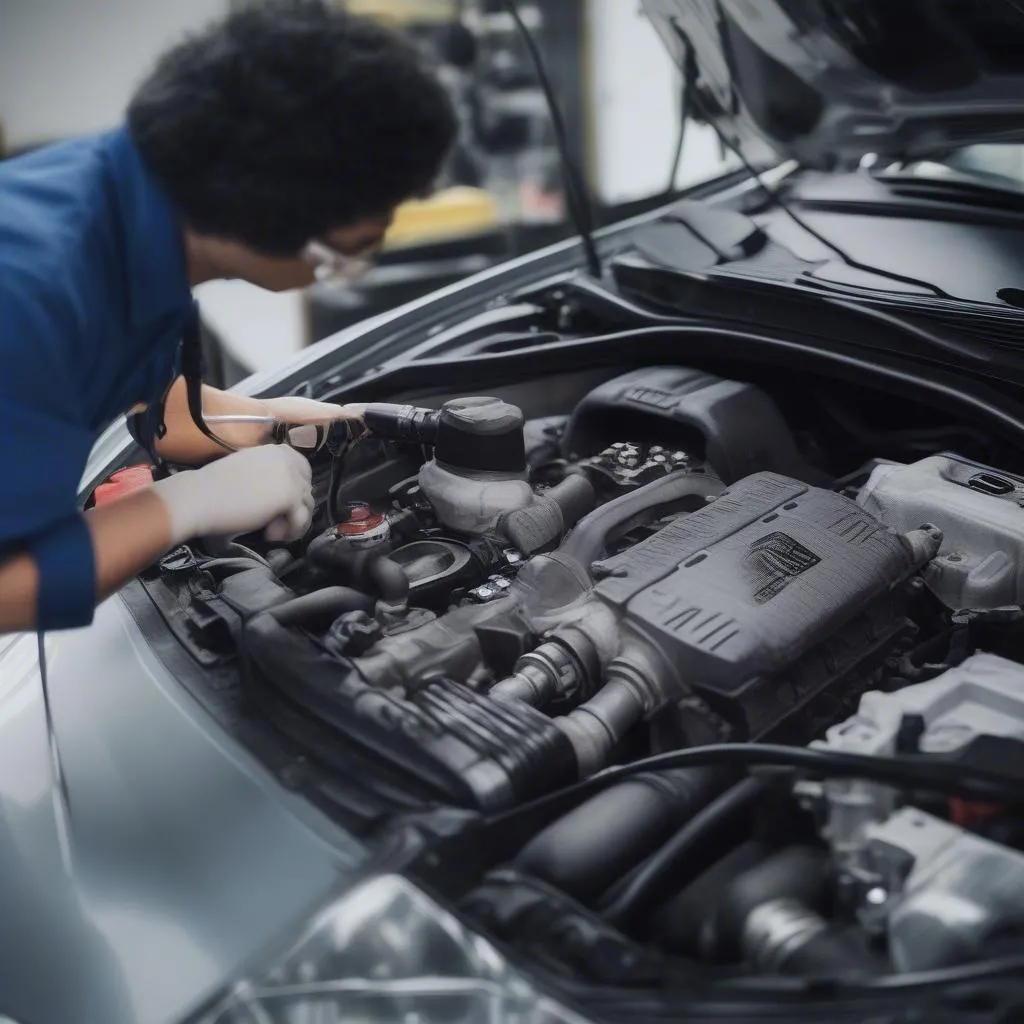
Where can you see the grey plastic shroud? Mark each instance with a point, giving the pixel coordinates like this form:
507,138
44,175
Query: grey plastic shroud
982,696
741,430
960,890
978,509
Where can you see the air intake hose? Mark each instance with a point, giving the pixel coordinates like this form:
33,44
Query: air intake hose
594,845
550,515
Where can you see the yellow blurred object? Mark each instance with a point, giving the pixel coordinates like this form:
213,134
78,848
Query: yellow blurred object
405,11
454,211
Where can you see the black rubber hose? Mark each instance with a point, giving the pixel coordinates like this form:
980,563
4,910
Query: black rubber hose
833,952
644,889
403,423
227,566
595,844
550,516
587,541
952,775
389,579
795,873
322,606
686,925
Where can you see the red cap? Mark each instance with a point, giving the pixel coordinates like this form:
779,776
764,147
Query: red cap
968,813
134,478
361,520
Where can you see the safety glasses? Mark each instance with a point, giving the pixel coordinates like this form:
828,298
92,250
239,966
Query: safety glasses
331,267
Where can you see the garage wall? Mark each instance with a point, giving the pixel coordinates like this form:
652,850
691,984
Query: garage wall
67,67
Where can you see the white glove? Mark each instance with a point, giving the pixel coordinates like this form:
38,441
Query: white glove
268,486
310,413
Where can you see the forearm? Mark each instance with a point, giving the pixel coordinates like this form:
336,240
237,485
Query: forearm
127,535
185,444
19,584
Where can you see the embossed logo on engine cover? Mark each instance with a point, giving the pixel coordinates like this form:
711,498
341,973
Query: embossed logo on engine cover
772,562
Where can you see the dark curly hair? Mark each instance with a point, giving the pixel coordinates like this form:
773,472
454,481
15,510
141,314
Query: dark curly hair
289,119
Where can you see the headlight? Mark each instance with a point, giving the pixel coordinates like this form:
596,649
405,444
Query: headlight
385,953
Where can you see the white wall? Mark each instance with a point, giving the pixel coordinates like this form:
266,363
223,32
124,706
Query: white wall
636,108
68,66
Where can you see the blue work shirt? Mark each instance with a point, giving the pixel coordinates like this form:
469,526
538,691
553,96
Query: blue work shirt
94,297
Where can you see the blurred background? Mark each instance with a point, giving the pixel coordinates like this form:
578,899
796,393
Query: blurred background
67,67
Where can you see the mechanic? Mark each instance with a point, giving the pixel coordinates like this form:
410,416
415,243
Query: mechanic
272,147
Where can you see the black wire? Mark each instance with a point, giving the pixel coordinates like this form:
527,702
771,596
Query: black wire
776,199
909,771
61,799
333,512
579,207
637,893
677,158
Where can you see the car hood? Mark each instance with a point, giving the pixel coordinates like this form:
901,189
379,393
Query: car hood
829,81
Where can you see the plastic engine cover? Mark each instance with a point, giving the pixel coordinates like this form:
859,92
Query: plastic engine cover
978,509
735,426
741,589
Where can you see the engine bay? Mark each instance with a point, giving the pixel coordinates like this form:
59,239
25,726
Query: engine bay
501,630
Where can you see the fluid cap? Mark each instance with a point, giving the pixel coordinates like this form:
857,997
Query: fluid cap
484,434
364,528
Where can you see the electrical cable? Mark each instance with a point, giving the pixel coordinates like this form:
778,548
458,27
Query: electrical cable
635,896
911,771
333,512
579,207
61,801
776,199
677,157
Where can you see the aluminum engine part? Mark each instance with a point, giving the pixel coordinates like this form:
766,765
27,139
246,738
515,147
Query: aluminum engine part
941,892
983,696
733,596
978,509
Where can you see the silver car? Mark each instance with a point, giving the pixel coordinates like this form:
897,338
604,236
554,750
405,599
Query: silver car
657,652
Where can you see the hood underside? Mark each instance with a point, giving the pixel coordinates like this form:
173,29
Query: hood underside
829,81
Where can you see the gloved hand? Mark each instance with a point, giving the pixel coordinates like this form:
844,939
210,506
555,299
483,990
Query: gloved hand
308,412
268,486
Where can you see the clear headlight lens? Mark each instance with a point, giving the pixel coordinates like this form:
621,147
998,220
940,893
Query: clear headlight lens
385,953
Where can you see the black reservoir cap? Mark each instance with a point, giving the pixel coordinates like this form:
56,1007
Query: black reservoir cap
484,434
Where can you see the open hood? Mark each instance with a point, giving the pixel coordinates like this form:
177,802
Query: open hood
828,81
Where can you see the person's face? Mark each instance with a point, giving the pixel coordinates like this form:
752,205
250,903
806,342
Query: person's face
330,252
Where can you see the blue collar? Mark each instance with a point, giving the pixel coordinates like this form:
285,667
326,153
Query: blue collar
153,236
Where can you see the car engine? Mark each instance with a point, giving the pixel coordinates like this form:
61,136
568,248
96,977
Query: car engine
492,615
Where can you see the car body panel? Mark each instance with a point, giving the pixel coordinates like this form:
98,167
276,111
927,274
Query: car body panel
180,857
828,81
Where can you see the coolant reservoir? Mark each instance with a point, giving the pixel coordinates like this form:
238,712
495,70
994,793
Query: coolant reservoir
479,467
980,512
